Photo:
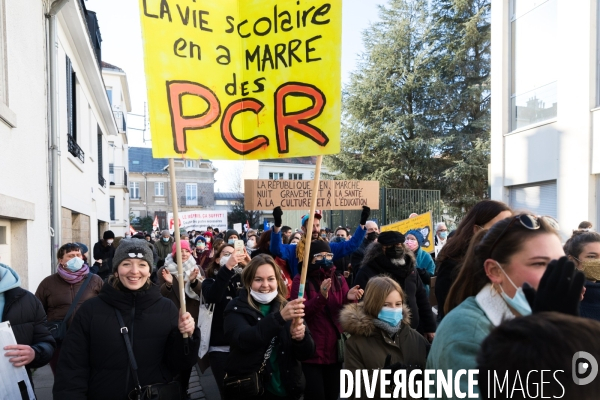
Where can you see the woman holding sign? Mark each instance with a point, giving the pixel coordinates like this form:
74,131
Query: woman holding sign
267,336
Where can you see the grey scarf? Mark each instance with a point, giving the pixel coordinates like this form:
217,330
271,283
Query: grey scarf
384,326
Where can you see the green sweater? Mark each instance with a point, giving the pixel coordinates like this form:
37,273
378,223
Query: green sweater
457,341
274,385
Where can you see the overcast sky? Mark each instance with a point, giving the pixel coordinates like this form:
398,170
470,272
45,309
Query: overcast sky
122,46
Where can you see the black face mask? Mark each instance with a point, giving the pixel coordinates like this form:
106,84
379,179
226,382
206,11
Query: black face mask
394,252
372,236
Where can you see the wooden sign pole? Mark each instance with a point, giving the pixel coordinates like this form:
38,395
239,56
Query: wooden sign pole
309,226
177,238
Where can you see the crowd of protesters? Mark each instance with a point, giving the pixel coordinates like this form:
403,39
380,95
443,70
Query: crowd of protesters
502,281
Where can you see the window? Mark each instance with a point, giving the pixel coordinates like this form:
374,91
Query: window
109,94
135,162
101,180
191,194
112,208
295,177
534,61
189,163
538,199
6,114
134,190
275,175
159,188
71,101
221,202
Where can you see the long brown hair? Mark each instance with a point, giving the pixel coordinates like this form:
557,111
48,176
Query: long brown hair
481,213
472,277
263,242
214,266
249,273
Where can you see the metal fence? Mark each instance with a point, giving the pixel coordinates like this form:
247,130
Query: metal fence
394,205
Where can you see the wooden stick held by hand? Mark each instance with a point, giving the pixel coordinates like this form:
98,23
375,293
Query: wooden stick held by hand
309,226
177,238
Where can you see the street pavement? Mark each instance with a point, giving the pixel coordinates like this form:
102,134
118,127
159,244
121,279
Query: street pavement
202,386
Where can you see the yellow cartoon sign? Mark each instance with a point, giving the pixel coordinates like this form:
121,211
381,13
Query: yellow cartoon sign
421,223
243,79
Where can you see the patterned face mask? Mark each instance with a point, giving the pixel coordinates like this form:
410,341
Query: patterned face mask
591,269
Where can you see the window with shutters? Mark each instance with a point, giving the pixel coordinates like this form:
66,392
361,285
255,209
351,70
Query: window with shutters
101,180
112,208
537,199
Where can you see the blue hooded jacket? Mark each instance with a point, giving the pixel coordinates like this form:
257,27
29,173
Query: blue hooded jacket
9,279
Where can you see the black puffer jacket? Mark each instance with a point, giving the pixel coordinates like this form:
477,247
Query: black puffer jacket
93,362
423,319
250,333
220,291
27,317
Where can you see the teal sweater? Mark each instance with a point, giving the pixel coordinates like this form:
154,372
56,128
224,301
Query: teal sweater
457,341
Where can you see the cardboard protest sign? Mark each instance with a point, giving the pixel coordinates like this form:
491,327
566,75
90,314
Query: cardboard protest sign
243,79
14,382
262,194
199,220
422,223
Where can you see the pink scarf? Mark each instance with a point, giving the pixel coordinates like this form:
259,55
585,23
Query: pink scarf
73,277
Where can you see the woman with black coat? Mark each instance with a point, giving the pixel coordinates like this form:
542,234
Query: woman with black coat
94,362
26,315
220,286
259,319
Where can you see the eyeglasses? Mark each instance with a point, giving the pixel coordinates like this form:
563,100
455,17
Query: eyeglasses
528,221
321,256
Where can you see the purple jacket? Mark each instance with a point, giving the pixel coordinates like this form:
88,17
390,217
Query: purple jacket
319,313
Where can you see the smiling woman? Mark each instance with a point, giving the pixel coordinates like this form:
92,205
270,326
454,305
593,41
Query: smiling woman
93,362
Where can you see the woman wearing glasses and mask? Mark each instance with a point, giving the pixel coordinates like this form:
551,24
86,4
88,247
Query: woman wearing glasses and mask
94,362
509,271
223,280
58,291
325,294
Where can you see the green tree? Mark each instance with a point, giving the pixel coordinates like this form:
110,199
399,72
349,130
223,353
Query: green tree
461,54
387,132
414,112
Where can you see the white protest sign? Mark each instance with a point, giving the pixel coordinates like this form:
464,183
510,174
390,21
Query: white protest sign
199,220
13,380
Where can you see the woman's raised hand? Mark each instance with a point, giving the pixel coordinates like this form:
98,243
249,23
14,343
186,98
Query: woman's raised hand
167,276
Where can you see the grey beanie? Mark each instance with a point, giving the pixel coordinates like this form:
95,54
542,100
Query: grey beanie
132,246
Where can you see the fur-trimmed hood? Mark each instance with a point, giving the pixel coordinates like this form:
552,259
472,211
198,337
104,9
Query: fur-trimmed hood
355,321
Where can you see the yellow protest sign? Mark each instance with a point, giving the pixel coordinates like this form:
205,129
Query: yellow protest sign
243,79
422,223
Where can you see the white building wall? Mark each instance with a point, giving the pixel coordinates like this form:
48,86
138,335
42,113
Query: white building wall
24,192
559,149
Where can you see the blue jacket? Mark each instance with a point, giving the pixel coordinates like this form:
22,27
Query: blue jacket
590,305
339,250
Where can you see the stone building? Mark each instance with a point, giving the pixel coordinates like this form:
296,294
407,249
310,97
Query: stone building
150,189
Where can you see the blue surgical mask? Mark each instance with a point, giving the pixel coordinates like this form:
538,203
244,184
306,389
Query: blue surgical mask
324,263
74,264
519,303
165,239
391,316
444,235
231,241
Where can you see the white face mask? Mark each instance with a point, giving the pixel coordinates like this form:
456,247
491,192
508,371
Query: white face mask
109,241
223,260
263,298
251,243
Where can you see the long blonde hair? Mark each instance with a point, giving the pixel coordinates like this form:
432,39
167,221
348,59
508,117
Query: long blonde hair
249,273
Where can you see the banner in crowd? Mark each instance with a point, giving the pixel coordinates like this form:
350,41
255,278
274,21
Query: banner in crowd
243,79
199,220
263,194
422,223
12,379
